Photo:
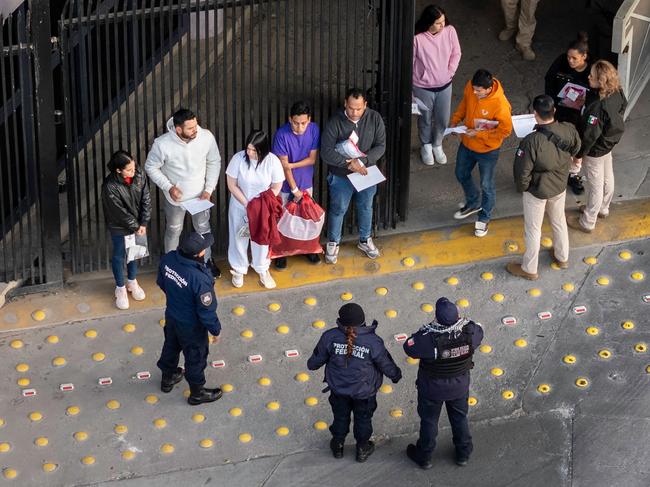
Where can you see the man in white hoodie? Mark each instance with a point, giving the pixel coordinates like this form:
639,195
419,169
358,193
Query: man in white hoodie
185,163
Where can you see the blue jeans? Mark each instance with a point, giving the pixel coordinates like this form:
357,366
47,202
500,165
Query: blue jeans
465,161
341,193
117,261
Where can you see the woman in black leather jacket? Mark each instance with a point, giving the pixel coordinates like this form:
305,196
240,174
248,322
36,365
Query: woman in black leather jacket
127,210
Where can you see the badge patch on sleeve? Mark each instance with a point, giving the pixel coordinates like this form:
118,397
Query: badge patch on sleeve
206,299
520,152
592,120
410,342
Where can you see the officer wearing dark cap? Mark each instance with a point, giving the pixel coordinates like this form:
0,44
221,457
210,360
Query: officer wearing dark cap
190,314
356,361
445,348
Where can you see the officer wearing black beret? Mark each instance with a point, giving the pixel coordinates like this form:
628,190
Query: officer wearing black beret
445,348
190,314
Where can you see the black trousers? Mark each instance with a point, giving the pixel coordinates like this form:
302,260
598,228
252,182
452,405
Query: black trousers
192,340
429,412
363,409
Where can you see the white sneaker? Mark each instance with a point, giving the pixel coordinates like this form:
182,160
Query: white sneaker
331,252
426,153
121,298
237,279
369,249
480,229
136,291
439,154
267,280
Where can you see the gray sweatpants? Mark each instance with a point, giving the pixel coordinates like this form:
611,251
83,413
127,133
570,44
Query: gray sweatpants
175,216
432,123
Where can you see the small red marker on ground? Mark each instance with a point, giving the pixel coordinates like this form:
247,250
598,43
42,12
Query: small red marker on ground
29,392
400,337
509,320
105,381
144,375
291,353
579,310
544,315
67,387
218,363
254,358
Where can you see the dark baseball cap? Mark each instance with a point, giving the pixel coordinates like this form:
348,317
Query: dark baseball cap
193,243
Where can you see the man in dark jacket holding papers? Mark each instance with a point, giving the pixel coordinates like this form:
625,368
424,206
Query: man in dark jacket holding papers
354,140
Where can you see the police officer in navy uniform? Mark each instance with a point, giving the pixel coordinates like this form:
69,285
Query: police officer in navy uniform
190,314
445,348
355,360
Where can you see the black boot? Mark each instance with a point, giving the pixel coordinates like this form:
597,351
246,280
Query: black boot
412,453
199,394
280,263
337,447
168,381
216,272
364,451
575,183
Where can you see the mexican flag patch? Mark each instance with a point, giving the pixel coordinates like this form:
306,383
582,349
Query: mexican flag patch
592,120
520,152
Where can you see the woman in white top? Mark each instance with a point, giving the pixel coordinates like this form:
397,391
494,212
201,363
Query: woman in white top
250,173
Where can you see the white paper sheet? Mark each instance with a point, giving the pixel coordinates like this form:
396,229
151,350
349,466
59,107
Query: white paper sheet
373,177
460,129
523,124
418,106
136,247
196,205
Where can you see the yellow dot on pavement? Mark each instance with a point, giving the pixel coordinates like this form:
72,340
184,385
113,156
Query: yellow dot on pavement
320,425
485,348
496,371
128,455
245,437
487,276
592,330
590,260
10,473
427,308
128,328
16,344
38,315
49,467
603,281
544,388
206,443
604,353
627,325
396,413
641,347
311,401
408,261
302,377
381,291
167,448
311,301
80,436
88,460
569,359
625,255
41,441
521,343
247,334
555,266
151,399
22,368
582,382
52,339
72,410
535,292
2,422
198,418
23,382
498,297
547,243
386,389
90,334
463,303
282,431
346,296
637,276
512,247
235,412
507,395
318,324
472,401
274,307
273,406
162,322
647,369
390,313
5,447
121,429
418,286
137,350
227,388
113,404
238,310
452,281
282,329
264,381
412,361
98,357
35,416
58,361
159,423
568,287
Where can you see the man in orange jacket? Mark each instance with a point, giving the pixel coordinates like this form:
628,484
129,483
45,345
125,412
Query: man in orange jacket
486,113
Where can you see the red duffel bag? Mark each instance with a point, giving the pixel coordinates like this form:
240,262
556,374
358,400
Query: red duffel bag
299,228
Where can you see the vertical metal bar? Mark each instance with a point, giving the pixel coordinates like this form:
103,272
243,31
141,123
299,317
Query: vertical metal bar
4,225
44,92
170,47
135,29
15,215
188,65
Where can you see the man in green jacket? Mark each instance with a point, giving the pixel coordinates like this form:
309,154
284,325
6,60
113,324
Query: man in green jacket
541,169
